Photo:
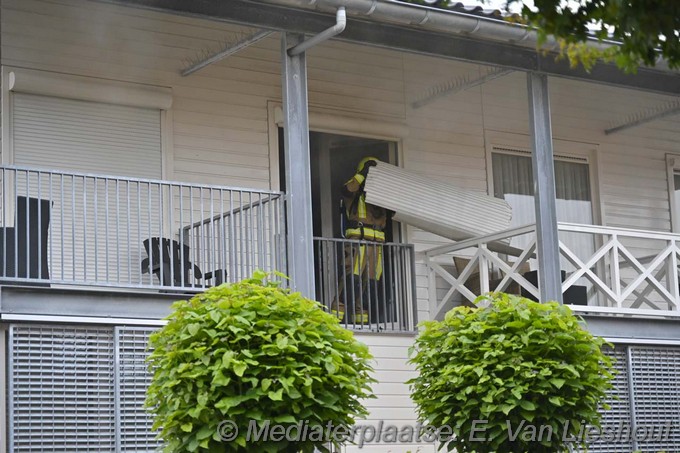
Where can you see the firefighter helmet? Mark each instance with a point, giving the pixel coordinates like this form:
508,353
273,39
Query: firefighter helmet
364,161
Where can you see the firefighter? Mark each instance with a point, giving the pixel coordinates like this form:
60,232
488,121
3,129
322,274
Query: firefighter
363,263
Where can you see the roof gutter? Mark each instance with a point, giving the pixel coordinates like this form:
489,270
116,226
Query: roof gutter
443,21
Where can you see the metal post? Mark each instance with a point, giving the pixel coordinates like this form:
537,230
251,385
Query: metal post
547,240
297,162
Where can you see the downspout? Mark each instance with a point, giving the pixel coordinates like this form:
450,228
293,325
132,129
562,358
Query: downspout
339,27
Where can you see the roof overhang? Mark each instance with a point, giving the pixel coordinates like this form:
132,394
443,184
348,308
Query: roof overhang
411,39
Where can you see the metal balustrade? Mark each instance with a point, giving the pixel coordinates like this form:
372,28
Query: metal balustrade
67,228
367,285
609,269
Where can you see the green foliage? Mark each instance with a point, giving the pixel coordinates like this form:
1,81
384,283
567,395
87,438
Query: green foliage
514,363
253,351
645,29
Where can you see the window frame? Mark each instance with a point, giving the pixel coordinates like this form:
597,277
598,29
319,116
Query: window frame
673,168
564,150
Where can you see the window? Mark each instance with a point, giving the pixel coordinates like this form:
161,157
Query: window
513,181
673,163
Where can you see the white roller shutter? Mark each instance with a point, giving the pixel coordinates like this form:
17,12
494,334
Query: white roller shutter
90,137
97,226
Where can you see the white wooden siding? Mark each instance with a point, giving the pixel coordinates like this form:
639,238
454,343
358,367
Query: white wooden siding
219,118
393,405
219,115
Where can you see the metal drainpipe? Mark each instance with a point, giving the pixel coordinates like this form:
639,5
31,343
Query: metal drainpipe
339,27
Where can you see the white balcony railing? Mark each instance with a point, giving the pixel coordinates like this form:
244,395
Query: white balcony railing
603,268
66,228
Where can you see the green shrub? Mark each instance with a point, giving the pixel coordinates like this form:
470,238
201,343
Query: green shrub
512,364
253,351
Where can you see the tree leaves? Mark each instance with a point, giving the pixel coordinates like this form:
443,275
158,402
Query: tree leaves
514,362
645,30
253,351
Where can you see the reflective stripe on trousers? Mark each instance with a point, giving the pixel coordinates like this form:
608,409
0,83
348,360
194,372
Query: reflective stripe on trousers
369,256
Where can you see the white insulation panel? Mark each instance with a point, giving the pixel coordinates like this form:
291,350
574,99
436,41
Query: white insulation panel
435,206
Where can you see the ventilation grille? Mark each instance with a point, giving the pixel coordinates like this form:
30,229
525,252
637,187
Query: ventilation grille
618,414
135,433
61,389
656,380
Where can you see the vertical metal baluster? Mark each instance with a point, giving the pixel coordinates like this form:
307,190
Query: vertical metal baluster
16,225
40,273
382,283
240,236
204,229
28,225
249,234
252,234
161,222
260,231
117,230
181,230
337,247
413,297
50,238
270,229
96,229
106,228
346,291
61,219
351,303
223,243
84,228
320,270
389,258
148,208
232,242
129,225
171,240
194,244
73,227
213,239
139,224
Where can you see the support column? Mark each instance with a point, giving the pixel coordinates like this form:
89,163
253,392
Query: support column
547,245
297,164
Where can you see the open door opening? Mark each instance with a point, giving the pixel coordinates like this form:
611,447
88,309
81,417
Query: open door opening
361,281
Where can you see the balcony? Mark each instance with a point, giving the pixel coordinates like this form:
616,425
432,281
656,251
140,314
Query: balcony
604,269
367,285
64,229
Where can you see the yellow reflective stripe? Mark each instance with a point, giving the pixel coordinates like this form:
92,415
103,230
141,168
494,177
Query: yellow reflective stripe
361,208
360,178
379,264
359,260
369,233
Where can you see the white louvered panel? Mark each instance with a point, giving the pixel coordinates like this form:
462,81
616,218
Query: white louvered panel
618,415
93,221
435,206
134,432
656,383
61,389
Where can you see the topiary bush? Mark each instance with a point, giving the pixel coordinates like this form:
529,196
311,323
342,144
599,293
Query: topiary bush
489,373
253,351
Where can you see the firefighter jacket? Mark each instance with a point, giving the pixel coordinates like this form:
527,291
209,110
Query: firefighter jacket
365,220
